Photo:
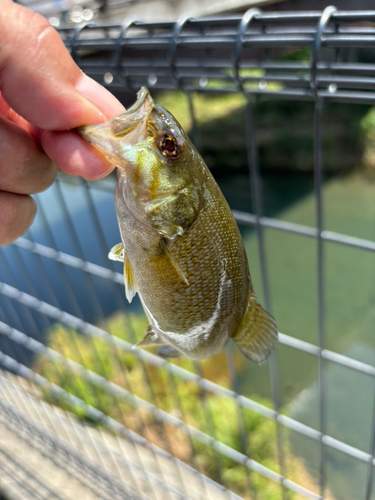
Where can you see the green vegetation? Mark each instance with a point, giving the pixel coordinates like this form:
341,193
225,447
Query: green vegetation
300,55
367,126
284,131
207,107
214,415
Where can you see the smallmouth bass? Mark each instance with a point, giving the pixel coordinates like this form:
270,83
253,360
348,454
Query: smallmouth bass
181,247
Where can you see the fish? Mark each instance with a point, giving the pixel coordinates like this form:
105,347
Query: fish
181,248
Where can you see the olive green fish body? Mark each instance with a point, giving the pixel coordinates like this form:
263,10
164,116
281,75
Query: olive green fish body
199,305
181,247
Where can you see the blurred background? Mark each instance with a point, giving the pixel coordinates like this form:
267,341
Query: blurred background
76,11
284,116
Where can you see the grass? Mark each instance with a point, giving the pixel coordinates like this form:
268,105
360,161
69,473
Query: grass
216,416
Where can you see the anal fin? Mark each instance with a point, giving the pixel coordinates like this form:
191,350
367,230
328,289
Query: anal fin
257,333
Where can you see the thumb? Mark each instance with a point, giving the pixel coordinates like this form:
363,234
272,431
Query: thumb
39,79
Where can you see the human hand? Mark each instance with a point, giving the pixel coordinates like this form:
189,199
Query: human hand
43,96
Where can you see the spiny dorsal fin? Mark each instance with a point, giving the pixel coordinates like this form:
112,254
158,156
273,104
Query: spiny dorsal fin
257,333
151,338
117,253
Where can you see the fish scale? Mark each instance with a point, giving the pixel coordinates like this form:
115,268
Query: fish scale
182,250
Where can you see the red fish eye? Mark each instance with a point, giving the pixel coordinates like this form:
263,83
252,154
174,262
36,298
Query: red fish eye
169,147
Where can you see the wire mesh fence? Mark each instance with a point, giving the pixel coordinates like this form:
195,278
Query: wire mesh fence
125,423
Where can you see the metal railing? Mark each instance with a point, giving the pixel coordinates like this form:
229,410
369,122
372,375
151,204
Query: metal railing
217,55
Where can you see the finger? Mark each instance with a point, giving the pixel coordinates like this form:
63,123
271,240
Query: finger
74,156
68,150
7,112
17,214
40,81
24,168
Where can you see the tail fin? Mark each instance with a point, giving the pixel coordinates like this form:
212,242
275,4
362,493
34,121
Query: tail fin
257,333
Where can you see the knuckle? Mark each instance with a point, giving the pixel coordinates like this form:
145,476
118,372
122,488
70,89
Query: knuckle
41,26
24,166
46,175
17,214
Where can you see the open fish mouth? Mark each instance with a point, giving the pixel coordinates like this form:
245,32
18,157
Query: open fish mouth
125,123
126,129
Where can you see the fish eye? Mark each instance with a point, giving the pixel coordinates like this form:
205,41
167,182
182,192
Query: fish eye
169,147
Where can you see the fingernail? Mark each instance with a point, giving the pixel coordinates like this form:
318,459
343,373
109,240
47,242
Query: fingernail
100,97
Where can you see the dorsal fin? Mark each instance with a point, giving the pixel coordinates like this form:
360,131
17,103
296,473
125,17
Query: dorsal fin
257,333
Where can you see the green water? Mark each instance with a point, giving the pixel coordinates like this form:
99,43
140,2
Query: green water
349,277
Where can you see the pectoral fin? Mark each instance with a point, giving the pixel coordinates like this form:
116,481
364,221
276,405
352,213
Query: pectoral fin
130,287
151,338
175,265
257,333
117,253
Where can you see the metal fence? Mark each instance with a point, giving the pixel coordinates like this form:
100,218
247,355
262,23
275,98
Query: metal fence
44,278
